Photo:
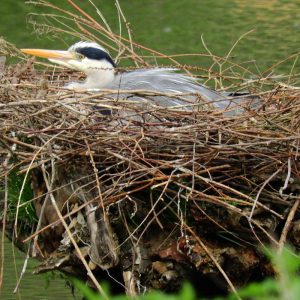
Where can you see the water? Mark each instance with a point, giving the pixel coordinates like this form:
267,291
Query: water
48,286
171,27
174,27
177,27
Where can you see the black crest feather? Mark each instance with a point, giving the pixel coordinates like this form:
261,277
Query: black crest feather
95,53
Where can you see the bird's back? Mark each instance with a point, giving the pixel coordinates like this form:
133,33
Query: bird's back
168,81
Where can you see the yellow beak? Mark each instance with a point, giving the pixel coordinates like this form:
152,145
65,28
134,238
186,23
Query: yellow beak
50,54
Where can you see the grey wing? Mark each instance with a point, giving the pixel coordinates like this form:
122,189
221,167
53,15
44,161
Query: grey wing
168,81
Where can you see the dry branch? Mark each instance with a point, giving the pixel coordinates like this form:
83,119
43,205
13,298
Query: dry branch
160,194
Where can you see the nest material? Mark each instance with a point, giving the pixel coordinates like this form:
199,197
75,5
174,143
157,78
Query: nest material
156,195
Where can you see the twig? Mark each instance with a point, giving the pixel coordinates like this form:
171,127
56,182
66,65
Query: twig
287,225
53,202
5,165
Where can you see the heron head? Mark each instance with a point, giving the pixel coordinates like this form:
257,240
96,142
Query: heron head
87,57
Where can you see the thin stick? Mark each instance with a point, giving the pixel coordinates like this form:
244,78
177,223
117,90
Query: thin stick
5,165
77,249
214,261
287,225
22,271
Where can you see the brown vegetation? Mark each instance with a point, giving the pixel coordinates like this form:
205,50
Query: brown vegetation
157,195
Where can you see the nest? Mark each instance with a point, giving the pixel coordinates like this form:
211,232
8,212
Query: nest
142,195
154,195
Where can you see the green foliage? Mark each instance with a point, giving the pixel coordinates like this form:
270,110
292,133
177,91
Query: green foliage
186,293
26,213
286,285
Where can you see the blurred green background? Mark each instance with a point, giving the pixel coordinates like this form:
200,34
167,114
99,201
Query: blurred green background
171,27
175,27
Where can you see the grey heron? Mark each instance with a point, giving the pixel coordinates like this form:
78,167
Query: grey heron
100,69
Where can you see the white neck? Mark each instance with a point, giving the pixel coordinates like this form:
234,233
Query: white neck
98,79
98,76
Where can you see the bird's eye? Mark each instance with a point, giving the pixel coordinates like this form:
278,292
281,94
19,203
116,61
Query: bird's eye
80,56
